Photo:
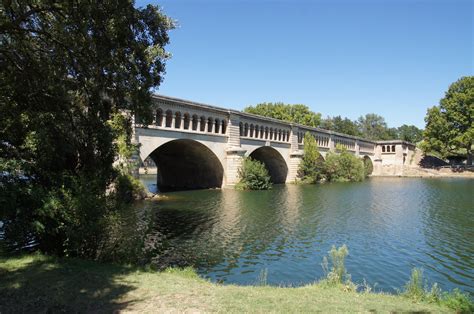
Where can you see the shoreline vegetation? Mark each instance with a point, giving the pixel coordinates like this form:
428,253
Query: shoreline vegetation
75,284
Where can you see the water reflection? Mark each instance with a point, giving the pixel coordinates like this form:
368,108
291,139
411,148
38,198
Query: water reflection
389,224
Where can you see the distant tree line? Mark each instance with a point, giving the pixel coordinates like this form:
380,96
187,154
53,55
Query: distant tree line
370,126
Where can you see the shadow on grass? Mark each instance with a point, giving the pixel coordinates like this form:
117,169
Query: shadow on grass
45,284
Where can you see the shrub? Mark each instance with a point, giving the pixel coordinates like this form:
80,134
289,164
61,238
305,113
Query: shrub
458,301
414,287
128,188
368,166
337,275
311,166
253,176
417,289
343,167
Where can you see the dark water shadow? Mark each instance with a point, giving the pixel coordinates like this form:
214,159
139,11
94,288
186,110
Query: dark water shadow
52,285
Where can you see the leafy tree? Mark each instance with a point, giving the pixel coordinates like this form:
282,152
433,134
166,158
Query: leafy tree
343,166
391,134
310,168
66,68
374,127
300,114
253,176
338,124
450,126
410,133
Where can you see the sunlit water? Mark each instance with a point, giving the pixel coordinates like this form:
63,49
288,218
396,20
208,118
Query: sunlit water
389,224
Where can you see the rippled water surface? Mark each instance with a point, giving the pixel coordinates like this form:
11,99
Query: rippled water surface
389,224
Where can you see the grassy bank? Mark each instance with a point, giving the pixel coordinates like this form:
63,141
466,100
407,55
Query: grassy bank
36,283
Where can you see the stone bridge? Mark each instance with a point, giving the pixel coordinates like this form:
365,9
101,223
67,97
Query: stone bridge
200,146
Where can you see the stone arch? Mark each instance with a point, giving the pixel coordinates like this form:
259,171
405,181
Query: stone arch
186,121
246,129
224,126
159,117
217,124
195,120
185,164
241,129
257,129
177,120
210,122
368,165
274,162
169,118
203,124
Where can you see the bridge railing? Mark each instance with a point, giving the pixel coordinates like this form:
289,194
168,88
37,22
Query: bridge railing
262,130
366,147
181,117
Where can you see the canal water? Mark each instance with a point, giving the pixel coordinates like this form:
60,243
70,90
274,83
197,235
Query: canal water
390,225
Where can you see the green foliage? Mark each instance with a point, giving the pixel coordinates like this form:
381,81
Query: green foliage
450,126
298,113
128,188
343,167
253,176
122,130
338,124
458,301
414,288
311,166
374,127
410,133
67,70
337,274
417,289
368,166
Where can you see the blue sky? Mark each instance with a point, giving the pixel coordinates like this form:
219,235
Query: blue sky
348,58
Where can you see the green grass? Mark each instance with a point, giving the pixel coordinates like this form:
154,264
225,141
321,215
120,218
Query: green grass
36,283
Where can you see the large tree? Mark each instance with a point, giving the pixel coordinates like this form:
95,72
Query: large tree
292,113
67,68
338,124
374,127
450,126
410,133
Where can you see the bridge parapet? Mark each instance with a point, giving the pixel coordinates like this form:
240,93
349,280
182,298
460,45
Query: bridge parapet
367,147
259,129
177,115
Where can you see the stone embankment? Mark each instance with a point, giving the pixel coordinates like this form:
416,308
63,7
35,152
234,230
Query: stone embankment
429,166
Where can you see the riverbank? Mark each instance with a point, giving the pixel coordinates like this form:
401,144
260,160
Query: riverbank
447,172
36,283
